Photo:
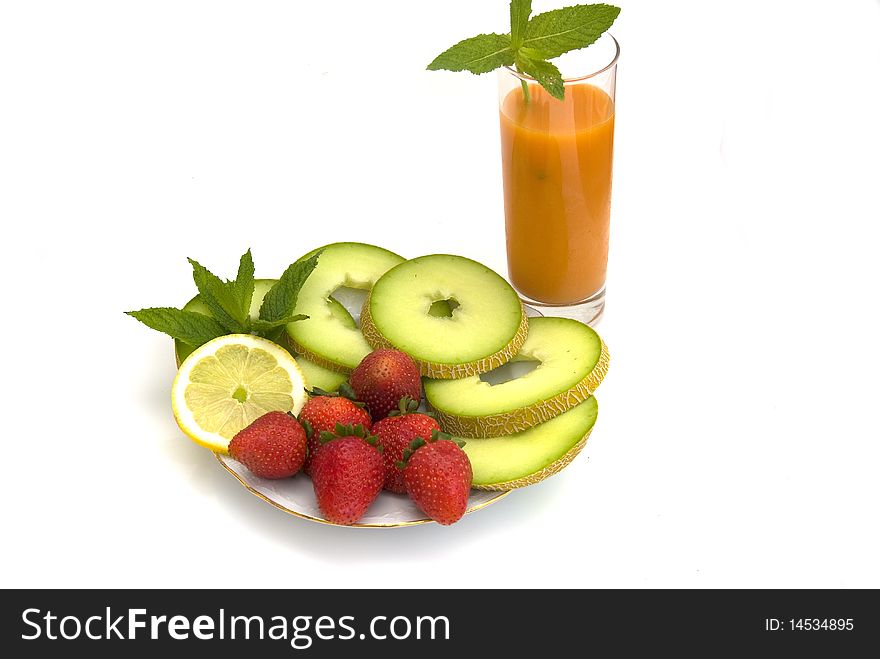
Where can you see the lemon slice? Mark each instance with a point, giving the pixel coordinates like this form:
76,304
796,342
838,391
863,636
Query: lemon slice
227,383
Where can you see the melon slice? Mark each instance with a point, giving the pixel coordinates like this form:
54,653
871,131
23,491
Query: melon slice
571,362
324,339
528,457
455,317
315,375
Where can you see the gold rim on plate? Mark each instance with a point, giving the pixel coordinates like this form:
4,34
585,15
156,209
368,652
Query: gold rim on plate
415,522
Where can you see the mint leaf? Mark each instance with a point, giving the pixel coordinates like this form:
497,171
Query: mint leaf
561,30
219,298
520,10
479,54
532,53
188,326
243,286
544,72
531,42
228,305
281,298
269,325
278,336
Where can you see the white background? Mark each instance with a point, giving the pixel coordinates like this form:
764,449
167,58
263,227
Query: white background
738,440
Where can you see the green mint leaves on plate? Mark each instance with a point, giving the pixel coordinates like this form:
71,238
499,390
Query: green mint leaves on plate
190,327
230,304
281,298
531,42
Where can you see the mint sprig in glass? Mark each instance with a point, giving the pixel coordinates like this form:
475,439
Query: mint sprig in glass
531,43
557,134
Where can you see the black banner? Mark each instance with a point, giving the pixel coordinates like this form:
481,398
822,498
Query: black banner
289,623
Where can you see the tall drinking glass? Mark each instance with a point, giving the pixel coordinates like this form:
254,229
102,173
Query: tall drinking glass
556,161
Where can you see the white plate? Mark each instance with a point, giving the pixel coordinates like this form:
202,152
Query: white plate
297,497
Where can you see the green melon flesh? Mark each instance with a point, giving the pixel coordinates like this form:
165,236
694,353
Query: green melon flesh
323,338
532,455
571,363
315,375
319,377
410,308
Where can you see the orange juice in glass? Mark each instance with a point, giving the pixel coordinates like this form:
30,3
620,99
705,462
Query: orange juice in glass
556,162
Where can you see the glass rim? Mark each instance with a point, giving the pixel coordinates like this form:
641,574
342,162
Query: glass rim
566,81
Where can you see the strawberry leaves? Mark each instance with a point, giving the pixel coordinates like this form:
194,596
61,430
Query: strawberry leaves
532,41
343,391
350,431
406,406
229,304
418,442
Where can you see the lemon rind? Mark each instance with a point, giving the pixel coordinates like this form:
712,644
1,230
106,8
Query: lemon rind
185,418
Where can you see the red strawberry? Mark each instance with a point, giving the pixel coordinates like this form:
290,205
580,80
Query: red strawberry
438,478
273,446
396,432
323,412
347,474
383,378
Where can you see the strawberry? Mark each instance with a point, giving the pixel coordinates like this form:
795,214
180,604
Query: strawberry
273,446
383,378
347,474
324,411
396,432
438,477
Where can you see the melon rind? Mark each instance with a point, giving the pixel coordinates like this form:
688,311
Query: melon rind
315,358
358,265
317,376
564,444
442,371
506,423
